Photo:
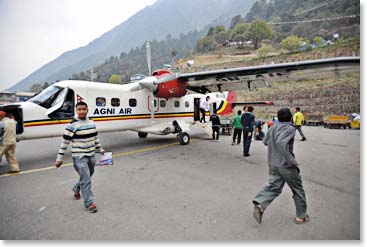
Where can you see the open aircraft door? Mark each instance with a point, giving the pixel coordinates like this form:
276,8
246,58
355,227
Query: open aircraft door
16,112
58,102
196,109
213,108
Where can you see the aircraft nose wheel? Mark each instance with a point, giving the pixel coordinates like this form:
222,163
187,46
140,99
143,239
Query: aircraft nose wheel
183,138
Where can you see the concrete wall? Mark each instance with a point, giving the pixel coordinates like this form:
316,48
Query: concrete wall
327,98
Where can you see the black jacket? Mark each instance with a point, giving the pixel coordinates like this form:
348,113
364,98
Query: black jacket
215,120
248,121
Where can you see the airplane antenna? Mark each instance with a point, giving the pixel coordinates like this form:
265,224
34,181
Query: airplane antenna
149,58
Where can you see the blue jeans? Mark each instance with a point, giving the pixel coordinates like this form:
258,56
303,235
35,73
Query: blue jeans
85,168
246,140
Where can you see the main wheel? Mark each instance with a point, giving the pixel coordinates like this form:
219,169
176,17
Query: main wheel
183,138
142,134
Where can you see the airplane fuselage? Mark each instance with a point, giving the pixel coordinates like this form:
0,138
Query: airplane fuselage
112,107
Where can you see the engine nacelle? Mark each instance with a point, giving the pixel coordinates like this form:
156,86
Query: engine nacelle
169,89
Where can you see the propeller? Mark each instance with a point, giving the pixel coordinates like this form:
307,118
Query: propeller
151,82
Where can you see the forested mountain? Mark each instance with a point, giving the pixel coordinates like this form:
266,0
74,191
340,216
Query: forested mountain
119,69
302,10
153,22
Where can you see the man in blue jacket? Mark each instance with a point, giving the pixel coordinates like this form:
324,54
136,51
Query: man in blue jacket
283,168
248,121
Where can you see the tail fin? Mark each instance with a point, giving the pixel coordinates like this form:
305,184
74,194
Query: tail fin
227,105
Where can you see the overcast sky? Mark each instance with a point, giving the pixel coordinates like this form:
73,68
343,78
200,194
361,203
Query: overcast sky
34,32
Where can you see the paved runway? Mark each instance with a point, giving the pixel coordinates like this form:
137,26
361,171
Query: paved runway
159,190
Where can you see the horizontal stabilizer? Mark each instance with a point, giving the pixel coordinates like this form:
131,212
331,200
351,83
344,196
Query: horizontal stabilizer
252,103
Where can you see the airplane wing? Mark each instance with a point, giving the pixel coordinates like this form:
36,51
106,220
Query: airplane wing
262,75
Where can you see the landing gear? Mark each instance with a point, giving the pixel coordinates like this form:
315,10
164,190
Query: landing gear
142,134
183,138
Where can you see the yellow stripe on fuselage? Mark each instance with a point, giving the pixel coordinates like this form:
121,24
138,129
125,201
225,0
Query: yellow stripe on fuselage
223,107
110,118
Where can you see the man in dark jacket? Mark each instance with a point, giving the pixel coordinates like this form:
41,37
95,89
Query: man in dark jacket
215,126
283,168
248,121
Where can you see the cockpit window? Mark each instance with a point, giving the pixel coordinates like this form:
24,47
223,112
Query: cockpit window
49,97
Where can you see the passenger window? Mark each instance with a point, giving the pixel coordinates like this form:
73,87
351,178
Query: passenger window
177,103
132,102
115,102
100,102
162,103
155,103
187,104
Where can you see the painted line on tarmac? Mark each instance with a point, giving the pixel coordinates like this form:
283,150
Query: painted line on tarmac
115,155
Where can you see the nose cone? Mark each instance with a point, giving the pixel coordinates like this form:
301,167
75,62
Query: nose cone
149,83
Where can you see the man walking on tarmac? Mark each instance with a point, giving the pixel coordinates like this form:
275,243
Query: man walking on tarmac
236,124
8,141
82,134
298,120
283,168
248,121
215,126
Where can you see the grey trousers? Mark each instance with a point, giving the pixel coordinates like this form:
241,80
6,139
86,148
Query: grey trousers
277,178
299,128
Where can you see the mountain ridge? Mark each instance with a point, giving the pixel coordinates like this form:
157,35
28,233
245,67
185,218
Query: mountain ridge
142,26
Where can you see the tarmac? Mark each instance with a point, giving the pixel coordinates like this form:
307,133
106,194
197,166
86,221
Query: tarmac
160,190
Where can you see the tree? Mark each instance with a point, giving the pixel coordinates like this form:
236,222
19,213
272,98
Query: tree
240,39
211,31
258,31
240,28
115,79
235,20
200,45
215,30
291,43
221,37
263,51
205,44
209,44
219,28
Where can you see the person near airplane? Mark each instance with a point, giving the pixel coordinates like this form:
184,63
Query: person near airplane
204,107
8,141
215,126
82,134
248,121
237,126
283,168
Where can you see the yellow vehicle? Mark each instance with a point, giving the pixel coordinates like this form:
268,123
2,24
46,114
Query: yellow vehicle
355,124
337,122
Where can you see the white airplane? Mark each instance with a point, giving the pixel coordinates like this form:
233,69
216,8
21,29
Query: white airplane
159,104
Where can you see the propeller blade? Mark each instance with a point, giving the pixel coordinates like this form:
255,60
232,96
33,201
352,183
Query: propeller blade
152,107
149,58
